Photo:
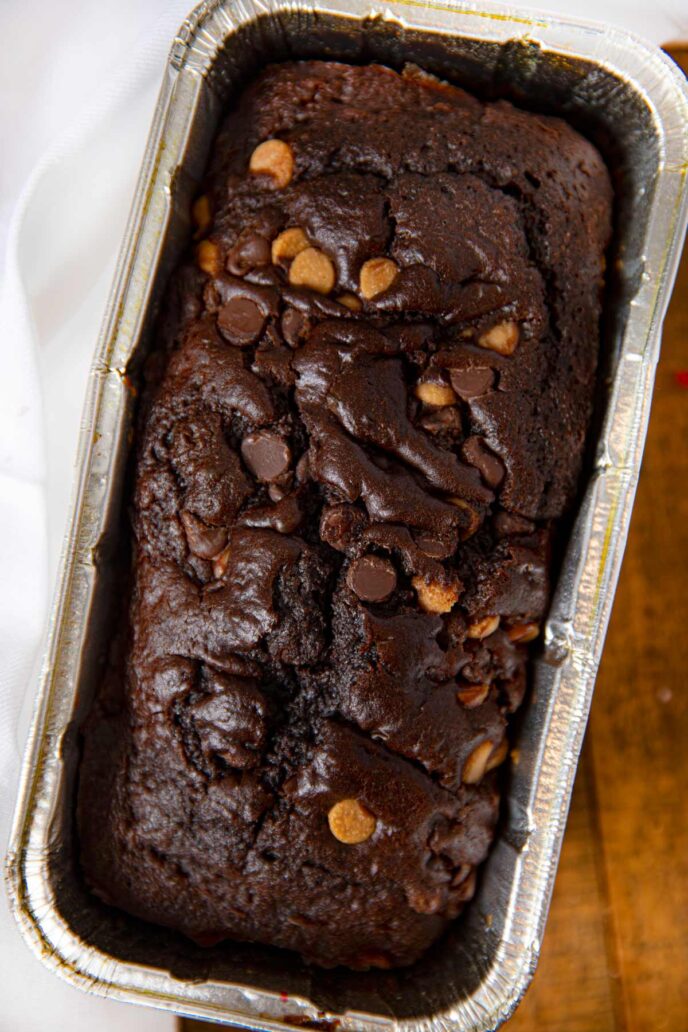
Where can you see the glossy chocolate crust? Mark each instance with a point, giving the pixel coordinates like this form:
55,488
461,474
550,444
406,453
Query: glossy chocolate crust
343,507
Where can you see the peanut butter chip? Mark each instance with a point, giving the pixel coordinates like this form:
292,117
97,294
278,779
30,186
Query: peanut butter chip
502,338
201,213
472,517
221,563
523,633
273,158
498,756
351,822
483,628
475,766
438,394
208,258
377,275
473,695
434,597
313,269
288,244
349,301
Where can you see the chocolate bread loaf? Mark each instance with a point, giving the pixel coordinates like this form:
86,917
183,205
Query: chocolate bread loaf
366,410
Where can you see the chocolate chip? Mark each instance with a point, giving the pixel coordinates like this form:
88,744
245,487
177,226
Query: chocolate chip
434,547
471,383
268,222
371,578
288,515
506,523
294,327
283,483
249,252
514,690
382,461
446,418
410,337
489,465
204,541
303,468
266,454
276,493
241,321
285,517
273,363
340,525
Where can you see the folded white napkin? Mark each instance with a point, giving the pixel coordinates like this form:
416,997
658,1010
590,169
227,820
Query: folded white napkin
78,85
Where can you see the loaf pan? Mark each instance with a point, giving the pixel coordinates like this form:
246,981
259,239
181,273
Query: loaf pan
632,102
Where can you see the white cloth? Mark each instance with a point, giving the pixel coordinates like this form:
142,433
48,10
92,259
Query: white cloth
78,84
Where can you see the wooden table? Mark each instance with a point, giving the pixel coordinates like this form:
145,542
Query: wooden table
615,953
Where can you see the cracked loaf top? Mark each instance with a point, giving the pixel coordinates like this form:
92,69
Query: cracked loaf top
367,408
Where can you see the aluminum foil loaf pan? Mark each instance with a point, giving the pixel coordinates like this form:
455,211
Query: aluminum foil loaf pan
632,102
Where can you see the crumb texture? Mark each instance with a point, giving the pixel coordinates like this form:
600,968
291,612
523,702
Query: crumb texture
364,415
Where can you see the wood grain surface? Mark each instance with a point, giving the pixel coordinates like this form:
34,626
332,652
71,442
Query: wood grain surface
615,953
